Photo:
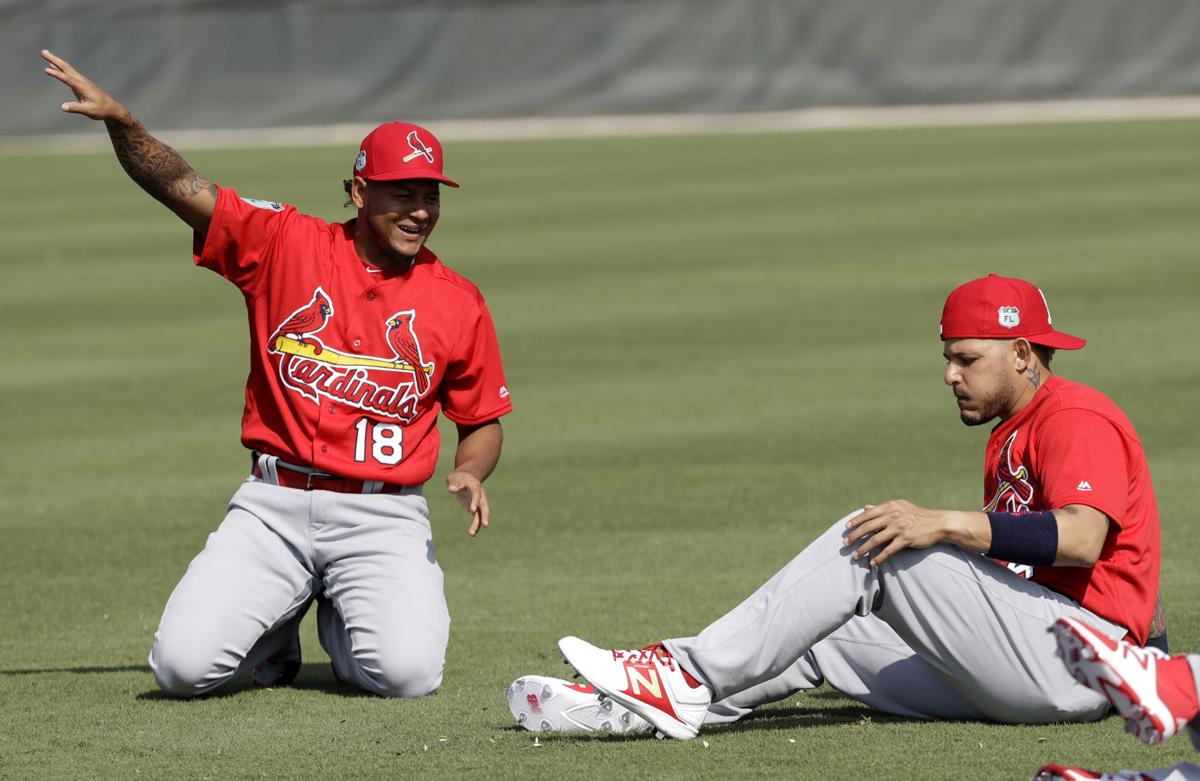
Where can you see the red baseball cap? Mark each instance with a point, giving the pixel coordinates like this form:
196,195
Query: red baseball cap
996,307
398,150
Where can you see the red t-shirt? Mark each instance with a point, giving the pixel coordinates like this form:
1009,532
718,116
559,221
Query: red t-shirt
350,365
1071,445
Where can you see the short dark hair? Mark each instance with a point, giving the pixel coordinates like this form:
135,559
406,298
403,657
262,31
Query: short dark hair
1045,354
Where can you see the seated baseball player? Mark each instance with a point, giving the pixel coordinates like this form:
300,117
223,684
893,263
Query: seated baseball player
359,337
1154,693
939,613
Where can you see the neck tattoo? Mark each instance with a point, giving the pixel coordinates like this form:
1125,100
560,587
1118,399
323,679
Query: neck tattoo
1035,377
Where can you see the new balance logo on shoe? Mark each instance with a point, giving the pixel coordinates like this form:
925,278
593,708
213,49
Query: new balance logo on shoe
1084,485
644,679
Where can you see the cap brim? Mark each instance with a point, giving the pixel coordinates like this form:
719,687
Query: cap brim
412,173
1058,340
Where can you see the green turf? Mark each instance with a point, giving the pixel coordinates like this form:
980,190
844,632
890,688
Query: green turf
715,345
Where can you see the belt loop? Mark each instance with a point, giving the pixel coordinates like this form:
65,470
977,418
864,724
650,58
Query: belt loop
372,486
266,465
308,481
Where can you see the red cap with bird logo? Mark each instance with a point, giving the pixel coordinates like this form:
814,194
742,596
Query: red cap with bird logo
398,150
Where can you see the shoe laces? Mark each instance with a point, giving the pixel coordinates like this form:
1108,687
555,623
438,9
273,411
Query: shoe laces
647,655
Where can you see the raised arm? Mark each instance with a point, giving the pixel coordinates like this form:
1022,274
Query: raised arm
157,168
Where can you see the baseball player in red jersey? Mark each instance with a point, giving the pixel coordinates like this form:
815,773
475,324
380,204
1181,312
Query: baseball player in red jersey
359,336
912,610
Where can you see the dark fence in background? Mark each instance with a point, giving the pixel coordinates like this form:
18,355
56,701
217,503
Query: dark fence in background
230,64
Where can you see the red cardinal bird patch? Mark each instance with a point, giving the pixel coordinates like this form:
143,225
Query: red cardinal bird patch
384,385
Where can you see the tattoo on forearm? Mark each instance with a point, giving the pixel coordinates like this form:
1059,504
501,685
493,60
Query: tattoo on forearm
157,168
1034,376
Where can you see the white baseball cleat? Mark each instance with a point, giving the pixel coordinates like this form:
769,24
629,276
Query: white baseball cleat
541,704
647,682
1063,773
1153,692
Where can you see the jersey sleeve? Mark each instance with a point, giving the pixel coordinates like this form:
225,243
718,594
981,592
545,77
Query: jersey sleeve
241,238
474,389
1083,461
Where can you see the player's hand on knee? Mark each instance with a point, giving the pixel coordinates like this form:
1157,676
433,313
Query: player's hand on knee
90,100
881,530
470,493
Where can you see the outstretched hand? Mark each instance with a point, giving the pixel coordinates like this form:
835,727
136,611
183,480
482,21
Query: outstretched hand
90,100
470,493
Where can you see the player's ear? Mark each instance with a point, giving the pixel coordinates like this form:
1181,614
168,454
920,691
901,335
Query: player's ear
1022,354
358,192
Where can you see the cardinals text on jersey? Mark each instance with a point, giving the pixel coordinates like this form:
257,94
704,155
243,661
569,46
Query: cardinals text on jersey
387,386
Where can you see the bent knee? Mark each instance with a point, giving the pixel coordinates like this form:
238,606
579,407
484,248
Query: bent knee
405,674
186,672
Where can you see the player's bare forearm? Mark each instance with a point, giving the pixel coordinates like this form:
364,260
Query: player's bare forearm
968,529
477,455
162,172
1082,531
157,168
479,449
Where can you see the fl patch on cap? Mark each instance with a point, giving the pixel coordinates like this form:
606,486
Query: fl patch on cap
398,150
996,307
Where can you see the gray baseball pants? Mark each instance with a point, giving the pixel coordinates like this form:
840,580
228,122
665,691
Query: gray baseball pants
935,633
381,616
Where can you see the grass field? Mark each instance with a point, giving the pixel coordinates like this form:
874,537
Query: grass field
716,346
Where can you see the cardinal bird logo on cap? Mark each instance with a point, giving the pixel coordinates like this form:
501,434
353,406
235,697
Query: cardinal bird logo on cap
419,148
403,340
308,320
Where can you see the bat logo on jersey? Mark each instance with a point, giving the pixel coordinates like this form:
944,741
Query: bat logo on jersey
1012,485
419,148
314,369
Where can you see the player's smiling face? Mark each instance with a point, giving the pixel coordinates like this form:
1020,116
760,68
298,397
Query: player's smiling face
980,373
394,218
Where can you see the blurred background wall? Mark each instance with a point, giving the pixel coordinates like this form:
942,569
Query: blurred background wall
231,64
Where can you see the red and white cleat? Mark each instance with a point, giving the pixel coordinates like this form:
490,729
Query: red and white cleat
1064,773
647,682
541,704
1153,692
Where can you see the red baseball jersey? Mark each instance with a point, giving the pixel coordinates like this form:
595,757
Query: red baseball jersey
350,365
1071,445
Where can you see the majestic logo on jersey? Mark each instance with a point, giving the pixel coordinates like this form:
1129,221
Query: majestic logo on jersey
419,148
1012,485
313,369
1009,316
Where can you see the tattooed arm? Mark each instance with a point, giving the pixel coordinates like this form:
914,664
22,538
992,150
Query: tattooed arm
157,168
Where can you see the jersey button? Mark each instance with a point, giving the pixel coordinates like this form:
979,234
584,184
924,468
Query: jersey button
332,409
370,296
358,342
324,448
